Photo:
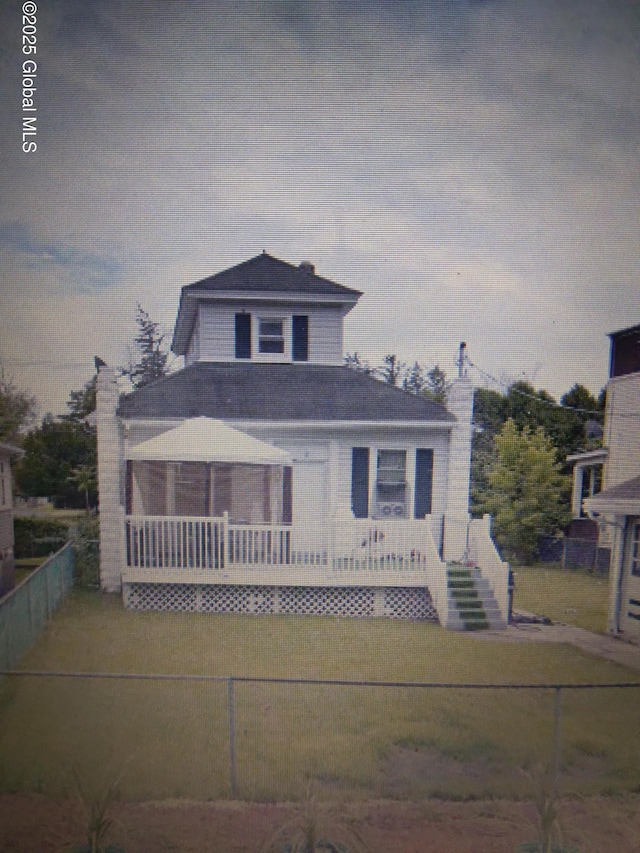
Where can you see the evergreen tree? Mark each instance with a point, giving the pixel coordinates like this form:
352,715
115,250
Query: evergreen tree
436,385
355,362
414,380
82,403
152,363
392,369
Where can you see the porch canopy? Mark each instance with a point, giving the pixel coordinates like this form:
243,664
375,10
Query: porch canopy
203,467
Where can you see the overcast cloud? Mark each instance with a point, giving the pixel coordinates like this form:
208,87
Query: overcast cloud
472,167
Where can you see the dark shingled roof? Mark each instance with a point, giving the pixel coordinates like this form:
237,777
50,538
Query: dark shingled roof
266,274
277,392
629,490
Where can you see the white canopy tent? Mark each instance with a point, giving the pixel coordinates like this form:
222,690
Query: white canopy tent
203,467
208,440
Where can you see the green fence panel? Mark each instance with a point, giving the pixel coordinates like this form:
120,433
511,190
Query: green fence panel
25,611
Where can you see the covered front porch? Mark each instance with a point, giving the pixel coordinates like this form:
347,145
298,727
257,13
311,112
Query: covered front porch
208,518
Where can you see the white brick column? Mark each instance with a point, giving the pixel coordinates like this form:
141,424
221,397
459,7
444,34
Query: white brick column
456,519
112,552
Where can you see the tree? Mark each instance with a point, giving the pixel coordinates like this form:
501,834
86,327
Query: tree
17,411
392,370
489,415
60,458
436,385
414,380
82,403
355,362
152,363
527,492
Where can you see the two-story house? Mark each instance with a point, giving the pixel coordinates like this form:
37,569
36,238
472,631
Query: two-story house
617,506
267,476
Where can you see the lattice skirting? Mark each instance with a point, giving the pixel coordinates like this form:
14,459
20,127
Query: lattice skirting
389,602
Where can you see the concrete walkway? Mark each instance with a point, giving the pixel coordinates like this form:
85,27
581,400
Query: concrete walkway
600,645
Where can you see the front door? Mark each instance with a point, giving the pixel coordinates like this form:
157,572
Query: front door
630,615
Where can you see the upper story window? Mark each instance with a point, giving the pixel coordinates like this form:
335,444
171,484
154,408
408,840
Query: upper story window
271,336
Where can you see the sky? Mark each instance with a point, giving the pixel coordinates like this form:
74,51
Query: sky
470,165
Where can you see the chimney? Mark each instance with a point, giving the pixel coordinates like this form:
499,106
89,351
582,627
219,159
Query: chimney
307,266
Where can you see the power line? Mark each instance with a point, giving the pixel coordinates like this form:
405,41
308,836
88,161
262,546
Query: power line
509,387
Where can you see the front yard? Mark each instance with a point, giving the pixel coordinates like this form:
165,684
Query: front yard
569,596
170,738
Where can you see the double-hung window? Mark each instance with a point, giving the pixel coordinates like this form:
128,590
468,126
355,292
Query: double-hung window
391,482
271,336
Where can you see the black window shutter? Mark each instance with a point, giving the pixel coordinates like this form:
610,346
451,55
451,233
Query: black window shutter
243,335
360,482
287,496
424,482
300,329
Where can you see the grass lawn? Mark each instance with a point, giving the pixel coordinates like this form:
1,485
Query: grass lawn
24,566
569,596
170,739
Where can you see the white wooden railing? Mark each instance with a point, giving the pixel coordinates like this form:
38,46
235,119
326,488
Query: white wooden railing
167,542
482,553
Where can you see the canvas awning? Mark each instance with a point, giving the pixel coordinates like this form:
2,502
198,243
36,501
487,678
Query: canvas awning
208,440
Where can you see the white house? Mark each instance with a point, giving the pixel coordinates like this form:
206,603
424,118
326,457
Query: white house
617,506
266,476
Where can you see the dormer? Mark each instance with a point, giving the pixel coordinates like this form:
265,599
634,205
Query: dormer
263,311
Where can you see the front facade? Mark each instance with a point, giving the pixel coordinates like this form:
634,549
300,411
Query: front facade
617,506
268,472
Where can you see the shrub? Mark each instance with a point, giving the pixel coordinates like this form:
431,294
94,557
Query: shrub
38,537
86,536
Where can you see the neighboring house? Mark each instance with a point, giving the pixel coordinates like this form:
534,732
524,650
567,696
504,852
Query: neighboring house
7,451
617,506
266,476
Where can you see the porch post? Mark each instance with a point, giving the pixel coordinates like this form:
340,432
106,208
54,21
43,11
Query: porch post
576,494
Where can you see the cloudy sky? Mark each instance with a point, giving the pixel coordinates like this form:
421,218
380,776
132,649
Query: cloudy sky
472,167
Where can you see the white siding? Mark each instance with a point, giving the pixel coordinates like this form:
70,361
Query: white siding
332,453
325,336
213,337
217,332
622,432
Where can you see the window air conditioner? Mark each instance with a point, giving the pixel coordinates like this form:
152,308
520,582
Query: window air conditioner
391,509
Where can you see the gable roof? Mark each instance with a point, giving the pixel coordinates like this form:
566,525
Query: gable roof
261,277
278,392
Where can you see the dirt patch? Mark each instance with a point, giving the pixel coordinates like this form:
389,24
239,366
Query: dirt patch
35,824
427,772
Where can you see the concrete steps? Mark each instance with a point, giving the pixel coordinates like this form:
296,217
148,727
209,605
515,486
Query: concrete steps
472,605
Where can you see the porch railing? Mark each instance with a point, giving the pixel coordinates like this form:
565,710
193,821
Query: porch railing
166,542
